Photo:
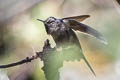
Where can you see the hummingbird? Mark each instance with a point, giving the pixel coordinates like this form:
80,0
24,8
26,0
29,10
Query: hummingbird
63,32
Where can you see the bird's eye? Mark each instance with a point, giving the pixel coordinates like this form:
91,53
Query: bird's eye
49,22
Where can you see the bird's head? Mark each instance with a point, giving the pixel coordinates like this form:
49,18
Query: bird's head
52,24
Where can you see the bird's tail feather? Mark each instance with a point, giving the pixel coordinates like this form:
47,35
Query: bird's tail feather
89,65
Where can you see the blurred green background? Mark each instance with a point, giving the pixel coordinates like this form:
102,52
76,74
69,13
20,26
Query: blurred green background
21,34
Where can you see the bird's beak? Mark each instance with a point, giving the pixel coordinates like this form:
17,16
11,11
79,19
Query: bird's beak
40,20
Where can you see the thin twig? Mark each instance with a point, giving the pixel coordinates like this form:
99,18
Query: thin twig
26,60
29,59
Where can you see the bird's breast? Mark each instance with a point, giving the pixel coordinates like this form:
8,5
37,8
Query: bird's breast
67,37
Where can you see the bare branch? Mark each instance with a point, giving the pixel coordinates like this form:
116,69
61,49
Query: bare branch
29,59
26,60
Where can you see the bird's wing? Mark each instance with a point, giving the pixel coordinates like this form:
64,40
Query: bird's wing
78,18
78,55
85,29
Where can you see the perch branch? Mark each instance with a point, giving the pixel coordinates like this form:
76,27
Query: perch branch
29,59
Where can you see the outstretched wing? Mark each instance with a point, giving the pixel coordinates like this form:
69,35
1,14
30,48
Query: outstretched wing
85,29
78,18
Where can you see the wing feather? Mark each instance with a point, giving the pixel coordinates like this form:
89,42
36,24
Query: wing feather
78,18
86,29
